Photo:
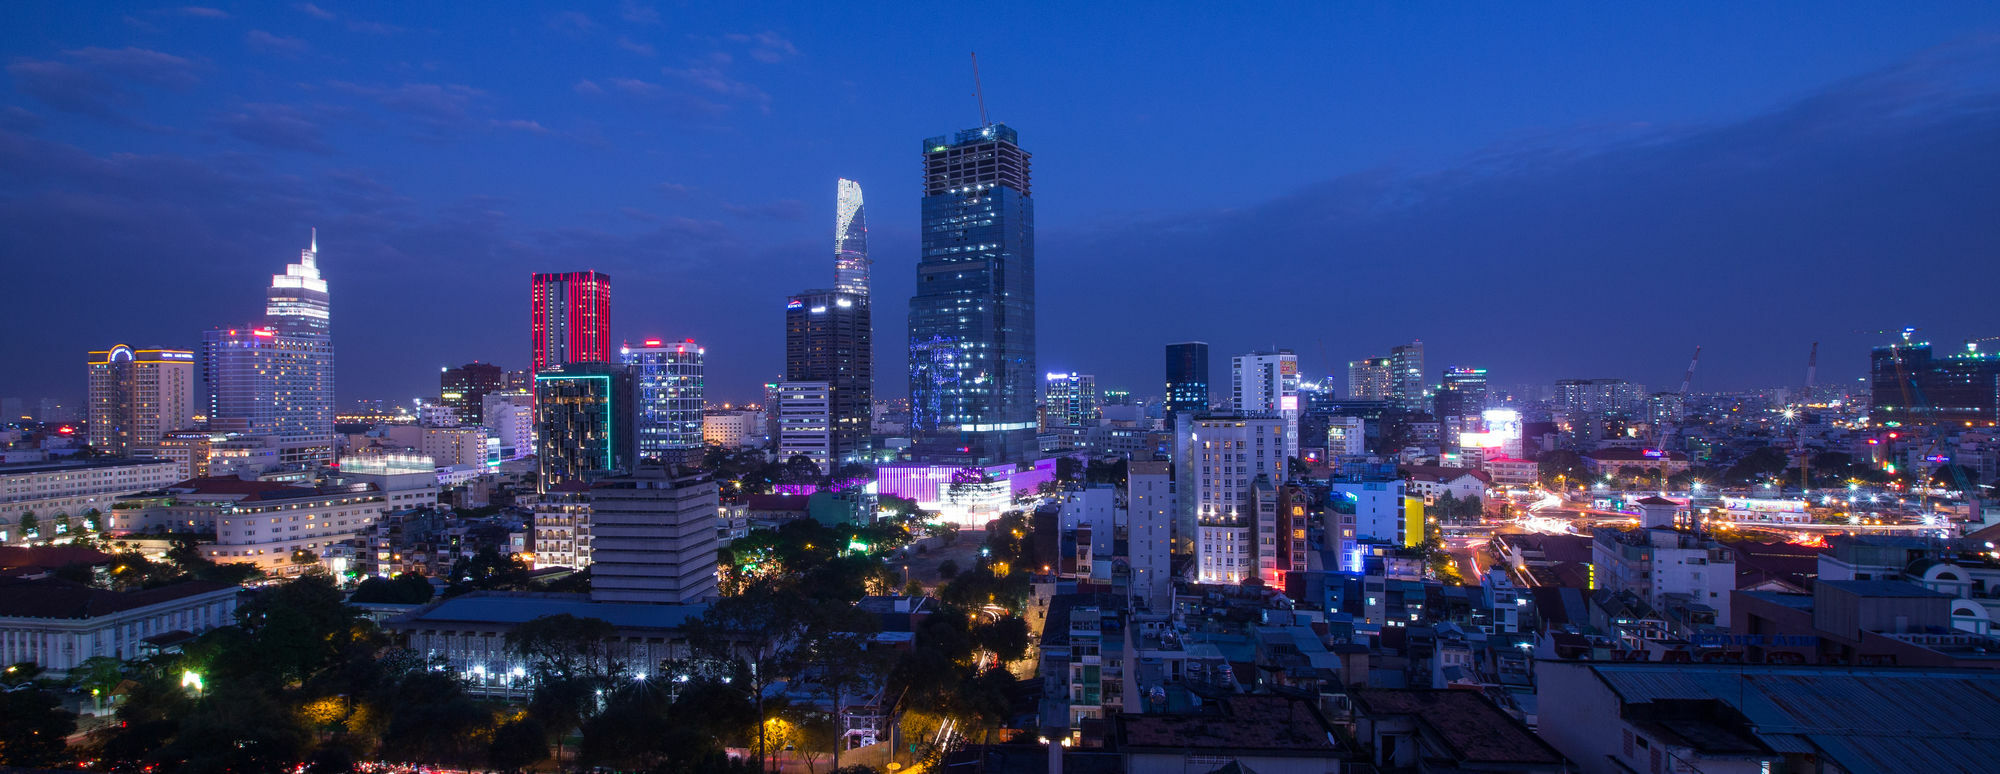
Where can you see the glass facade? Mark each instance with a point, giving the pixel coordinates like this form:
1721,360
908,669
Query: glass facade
275,377
829,337
972,320
1187,377
583,424
850,241
672,390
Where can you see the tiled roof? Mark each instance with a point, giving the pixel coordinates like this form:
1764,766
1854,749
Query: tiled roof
53,598
1270,723
49,556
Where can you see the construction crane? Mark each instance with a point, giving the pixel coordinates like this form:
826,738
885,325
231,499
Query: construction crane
1972,345
1664,434
1904,332
1798,429
978,93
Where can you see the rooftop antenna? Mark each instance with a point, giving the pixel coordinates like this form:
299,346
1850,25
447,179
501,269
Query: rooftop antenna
979,93
315,239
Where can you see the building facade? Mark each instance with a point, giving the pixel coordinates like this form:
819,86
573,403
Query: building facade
138,396
52,492
58,625
1370,379
653,538
1407,387
806,423
1268,383
1909,385
569,318
972,320
673,389
585,416
1187,377
829,337
1226,455
464,389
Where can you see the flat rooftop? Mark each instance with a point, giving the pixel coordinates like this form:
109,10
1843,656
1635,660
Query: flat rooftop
515,608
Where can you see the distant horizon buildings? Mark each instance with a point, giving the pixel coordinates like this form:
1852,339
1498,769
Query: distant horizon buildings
137,396
569,318
464,388
1910,385
972,320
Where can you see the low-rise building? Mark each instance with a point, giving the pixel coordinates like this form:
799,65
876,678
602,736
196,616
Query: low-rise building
57,624
1447,731
1269,734
277,526
469,634
48,491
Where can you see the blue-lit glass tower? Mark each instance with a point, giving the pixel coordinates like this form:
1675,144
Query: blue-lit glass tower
972,321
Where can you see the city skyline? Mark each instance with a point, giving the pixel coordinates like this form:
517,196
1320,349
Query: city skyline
85,174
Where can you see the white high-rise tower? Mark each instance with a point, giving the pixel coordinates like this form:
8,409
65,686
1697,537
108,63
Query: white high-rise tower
850,241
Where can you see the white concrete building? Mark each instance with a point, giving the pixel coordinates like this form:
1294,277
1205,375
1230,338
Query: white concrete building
1226,454
1666,566
805,422
1149,499
1268,383
562,526
732,429
511,418
455,446
58,624
50,490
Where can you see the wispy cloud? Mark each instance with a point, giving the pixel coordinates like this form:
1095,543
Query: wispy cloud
783,209
275,126
433,105
202,12
522,125
768,47
572,22
315,11
98,82
634,46
276,44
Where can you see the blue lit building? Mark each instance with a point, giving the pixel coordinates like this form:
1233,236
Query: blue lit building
672,391
585,423
972,321
1187,377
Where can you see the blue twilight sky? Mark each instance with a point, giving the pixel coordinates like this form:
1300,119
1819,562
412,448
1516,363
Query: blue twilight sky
1545,190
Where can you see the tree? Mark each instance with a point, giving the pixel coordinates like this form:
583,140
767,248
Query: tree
406,589
753,629
34,729
432,719
517,745
1561,464
1006,637
31,525
948,569
565,647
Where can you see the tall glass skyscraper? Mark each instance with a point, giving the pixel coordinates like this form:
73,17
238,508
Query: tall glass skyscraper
672,389
1187,377
274,377
972,321
850,240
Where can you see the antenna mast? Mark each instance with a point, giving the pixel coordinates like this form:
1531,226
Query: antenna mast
979,93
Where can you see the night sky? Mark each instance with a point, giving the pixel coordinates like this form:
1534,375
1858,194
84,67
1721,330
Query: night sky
1576,190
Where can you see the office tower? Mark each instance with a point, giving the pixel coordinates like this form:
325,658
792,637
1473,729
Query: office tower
972,320
1370,379
275,377
1460,400
652,537
1596,397
805,422
1268,383
138,396
1072,401
464,389
1225,454
1406,365
585,423
829,337
1909,385
850,241
672,391
1187,377
570,318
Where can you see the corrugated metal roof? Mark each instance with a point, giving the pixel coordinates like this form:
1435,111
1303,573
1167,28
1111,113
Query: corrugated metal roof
1867,720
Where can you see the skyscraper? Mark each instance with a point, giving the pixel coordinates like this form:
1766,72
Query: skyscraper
570,318
972,320
136,396
850,241
464,389
672,390
830,338
1224,459
274,377
1406,365
1462,393
1267,383
804,415
1187,377
584,422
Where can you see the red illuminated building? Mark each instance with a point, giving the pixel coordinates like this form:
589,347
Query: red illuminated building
570,315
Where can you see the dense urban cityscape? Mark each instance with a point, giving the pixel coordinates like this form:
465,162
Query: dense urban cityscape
218,555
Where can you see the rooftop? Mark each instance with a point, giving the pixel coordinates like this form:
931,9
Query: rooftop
53,467
1472,728
1251,722
1883,588
54,598
520,607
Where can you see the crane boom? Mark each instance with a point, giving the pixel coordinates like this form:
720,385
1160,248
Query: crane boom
977,92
